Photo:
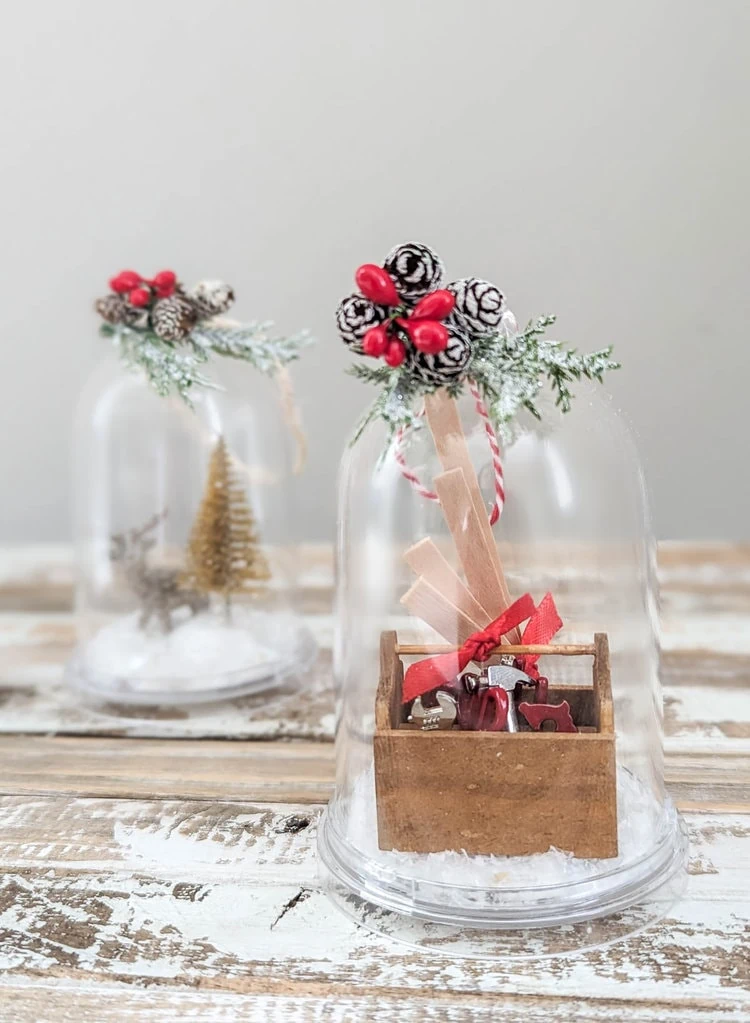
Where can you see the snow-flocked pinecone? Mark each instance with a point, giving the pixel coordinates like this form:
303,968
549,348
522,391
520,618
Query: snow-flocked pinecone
173,318
479,305
354,317
211,298
416,269
444,367
116,309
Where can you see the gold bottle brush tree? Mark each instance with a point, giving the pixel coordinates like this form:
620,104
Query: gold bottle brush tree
223,554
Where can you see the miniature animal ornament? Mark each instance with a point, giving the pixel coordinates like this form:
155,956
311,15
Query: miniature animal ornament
157,587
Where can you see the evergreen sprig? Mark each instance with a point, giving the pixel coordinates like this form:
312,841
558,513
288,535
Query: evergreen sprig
174,367
510,369
253,342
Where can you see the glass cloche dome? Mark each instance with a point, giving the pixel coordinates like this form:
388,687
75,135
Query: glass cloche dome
499,784
182,483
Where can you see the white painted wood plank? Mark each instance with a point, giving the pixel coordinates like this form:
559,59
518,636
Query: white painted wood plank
151,768
61,1000
176,894
41,577
37,572
35,646
36,577
295,770
224,896
35,699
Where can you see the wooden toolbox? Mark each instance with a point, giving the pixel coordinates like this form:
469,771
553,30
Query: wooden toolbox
498,793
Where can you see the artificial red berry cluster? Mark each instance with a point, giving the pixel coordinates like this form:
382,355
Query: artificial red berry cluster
142,291
421,324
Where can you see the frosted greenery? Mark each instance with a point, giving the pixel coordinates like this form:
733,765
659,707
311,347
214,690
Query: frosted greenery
177,367
510,369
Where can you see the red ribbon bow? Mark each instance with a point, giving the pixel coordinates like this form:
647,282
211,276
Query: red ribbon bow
543,623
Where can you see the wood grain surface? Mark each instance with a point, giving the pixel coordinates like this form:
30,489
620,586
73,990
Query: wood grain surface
160,866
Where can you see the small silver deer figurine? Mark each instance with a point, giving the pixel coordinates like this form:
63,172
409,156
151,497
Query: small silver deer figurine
157,588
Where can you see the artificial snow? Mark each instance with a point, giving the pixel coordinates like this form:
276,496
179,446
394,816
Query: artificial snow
201,650
640,821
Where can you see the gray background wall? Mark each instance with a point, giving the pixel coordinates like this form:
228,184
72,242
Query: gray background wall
590,157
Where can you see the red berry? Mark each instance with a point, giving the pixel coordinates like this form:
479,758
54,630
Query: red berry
165,290
139,296
429,336
434,306
376,284
395,353
164,279
375,341
126,280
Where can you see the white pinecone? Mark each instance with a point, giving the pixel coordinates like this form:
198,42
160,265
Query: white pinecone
354,317
416,269
173,318
479,305
211,298
442,367
116,309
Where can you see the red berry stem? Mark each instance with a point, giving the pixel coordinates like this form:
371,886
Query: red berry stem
395,353
375,341
435,306
428,335
126,280
139,297
377,285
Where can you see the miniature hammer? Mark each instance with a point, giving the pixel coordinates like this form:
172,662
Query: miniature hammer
507,677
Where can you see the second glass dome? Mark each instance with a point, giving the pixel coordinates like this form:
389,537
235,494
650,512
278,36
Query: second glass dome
185,563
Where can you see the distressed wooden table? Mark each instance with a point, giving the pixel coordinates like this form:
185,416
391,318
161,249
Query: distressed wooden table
162,867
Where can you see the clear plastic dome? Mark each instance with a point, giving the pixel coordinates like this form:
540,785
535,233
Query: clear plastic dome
185,566
482,804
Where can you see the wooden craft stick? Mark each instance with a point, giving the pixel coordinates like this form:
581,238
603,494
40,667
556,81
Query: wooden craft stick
470,540
560,649
603,683
450,443
429,604
426,560
481,573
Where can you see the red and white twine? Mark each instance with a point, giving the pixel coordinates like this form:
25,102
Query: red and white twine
497,464
411,476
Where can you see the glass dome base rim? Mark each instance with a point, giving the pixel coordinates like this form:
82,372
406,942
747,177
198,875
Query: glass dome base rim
111,690
667,859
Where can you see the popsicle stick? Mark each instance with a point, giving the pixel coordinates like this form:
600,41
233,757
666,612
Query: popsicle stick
558,649
445,425
483,576
429,604
450,443
425,559
470,540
